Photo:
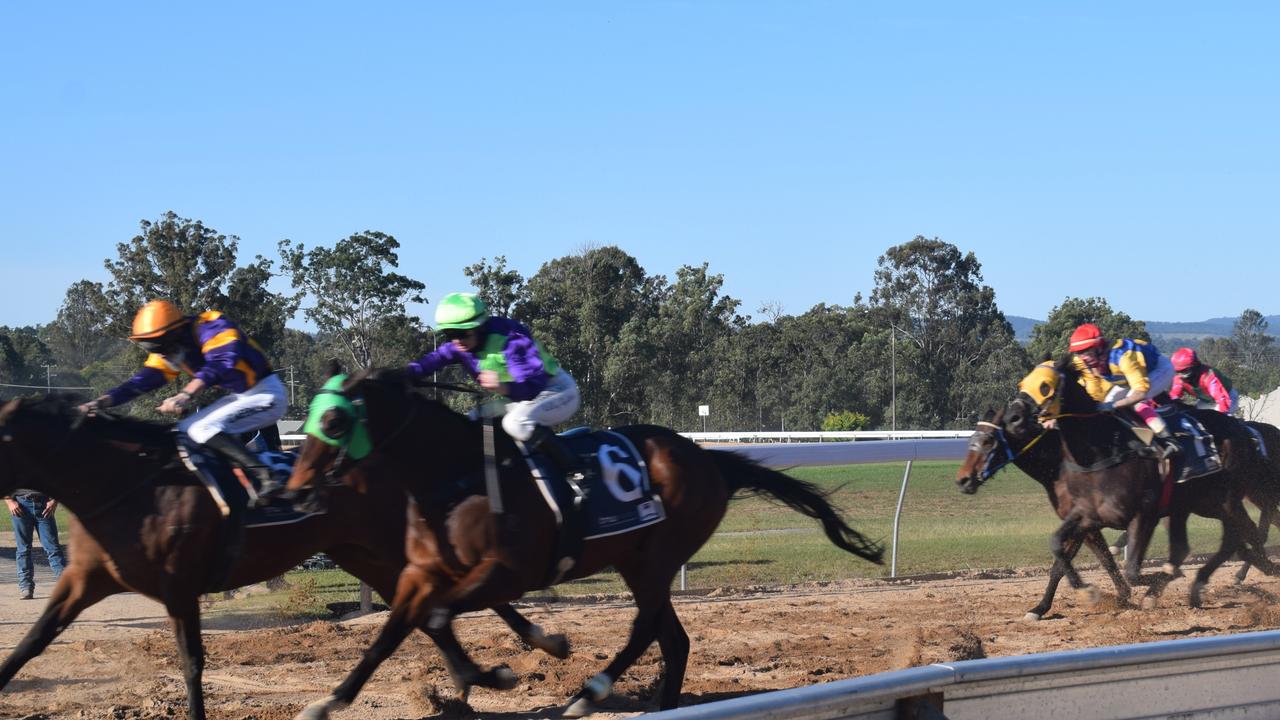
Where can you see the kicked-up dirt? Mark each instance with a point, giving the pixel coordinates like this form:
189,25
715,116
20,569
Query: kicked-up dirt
121,662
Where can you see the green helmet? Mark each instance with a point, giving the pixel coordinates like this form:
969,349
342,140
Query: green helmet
461,311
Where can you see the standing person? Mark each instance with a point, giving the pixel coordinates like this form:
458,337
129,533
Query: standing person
503,357
32,512
1205,387
215,353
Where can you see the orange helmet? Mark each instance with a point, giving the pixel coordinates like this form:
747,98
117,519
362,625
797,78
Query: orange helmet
1086,337
156,318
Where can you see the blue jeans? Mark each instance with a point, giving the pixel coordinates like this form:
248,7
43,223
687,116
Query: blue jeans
23,529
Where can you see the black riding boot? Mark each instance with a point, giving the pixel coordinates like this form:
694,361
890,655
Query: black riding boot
238,455
1167,444
545,439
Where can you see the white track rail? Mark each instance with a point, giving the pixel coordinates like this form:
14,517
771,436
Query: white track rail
1232,676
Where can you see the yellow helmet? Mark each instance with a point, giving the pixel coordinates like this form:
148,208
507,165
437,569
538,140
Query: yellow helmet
156,318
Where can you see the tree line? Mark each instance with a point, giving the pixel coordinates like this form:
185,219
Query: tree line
929,348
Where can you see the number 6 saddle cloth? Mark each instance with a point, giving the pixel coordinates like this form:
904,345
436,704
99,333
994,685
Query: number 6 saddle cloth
614,495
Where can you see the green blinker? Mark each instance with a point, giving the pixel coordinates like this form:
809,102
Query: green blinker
330,397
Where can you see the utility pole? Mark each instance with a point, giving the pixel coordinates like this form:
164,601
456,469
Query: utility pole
291,385
48,378
893,374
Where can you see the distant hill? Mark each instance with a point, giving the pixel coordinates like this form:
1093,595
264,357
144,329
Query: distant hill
1167,333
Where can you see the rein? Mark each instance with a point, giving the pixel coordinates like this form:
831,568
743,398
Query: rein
991,468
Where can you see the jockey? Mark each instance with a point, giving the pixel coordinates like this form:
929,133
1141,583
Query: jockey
215,353
1203,386
503,357
1135,370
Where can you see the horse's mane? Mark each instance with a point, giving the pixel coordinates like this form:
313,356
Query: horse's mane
62,409
1074,397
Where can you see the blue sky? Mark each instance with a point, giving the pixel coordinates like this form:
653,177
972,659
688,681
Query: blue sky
1078,149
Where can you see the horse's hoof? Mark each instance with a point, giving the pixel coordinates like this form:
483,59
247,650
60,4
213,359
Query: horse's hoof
319,710
1194,599
504,678
580,708
1090,595
1172,570
1149,602
1033,616
557,646
1115,549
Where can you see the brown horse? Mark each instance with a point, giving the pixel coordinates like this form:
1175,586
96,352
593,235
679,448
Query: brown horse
464,557
143,523
990,449
1104,483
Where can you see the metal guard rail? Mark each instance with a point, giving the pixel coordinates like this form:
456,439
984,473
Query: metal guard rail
1233,676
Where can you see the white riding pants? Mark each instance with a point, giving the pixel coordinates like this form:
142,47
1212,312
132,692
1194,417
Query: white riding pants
557,402
255,408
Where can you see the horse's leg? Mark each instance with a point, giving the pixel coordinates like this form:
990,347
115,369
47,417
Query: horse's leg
1179,546
554,645
653,595
1055,576
1266,516
462,668
1062,540
1098,545
76,590
402,619
1141,528
674,642
184,613
1118,544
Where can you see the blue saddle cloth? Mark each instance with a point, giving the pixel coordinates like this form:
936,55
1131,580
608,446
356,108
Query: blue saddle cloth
616,495
232,496
1199,456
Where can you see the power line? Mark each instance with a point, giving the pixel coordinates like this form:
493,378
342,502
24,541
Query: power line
44,387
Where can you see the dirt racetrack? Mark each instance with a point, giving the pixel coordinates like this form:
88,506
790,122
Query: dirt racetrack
121,662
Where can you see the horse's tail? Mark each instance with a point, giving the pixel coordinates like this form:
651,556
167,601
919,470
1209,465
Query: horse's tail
743,473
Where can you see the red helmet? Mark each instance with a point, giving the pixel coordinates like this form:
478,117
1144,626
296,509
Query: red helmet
1086,337
1184,359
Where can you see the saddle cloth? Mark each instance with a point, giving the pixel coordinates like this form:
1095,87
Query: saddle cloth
1199,456
232,495
615,494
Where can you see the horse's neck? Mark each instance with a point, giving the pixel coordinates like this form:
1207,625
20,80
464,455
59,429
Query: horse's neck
1040,462
93,476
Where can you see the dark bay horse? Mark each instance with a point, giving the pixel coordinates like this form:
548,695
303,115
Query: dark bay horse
1105,484
991,448
143,523
464,557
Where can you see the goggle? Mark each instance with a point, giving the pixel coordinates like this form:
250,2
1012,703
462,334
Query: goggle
453,334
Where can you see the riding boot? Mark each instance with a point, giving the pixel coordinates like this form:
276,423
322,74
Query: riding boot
1168,445
545,440
238,455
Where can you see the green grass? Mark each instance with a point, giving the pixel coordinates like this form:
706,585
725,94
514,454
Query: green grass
1007,524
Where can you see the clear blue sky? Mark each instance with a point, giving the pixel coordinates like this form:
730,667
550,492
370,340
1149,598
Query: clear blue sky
1128,150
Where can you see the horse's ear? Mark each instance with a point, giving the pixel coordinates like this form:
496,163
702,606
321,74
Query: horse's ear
334,367
8,409
1065,364
989,415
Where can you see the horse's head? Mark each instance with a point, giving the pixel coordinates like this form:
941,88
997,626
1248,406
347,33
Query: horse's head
341,430
985,446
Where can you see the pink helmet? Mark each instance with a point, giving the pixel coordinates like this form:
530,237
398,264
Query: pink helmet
1184,359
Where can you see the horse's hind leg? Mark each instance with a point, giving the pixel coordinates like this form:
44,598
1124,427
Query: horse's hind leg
1266,518
465,673
674,642
185,615
653,596
75,591
554,645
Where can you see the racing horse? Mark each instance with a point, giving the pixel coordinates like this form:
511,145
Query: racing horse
144,523
990,449
1104,483
465,556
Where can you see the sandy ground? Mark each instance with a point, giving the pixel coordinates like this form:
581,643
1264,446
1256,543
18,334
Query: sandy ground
119,660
